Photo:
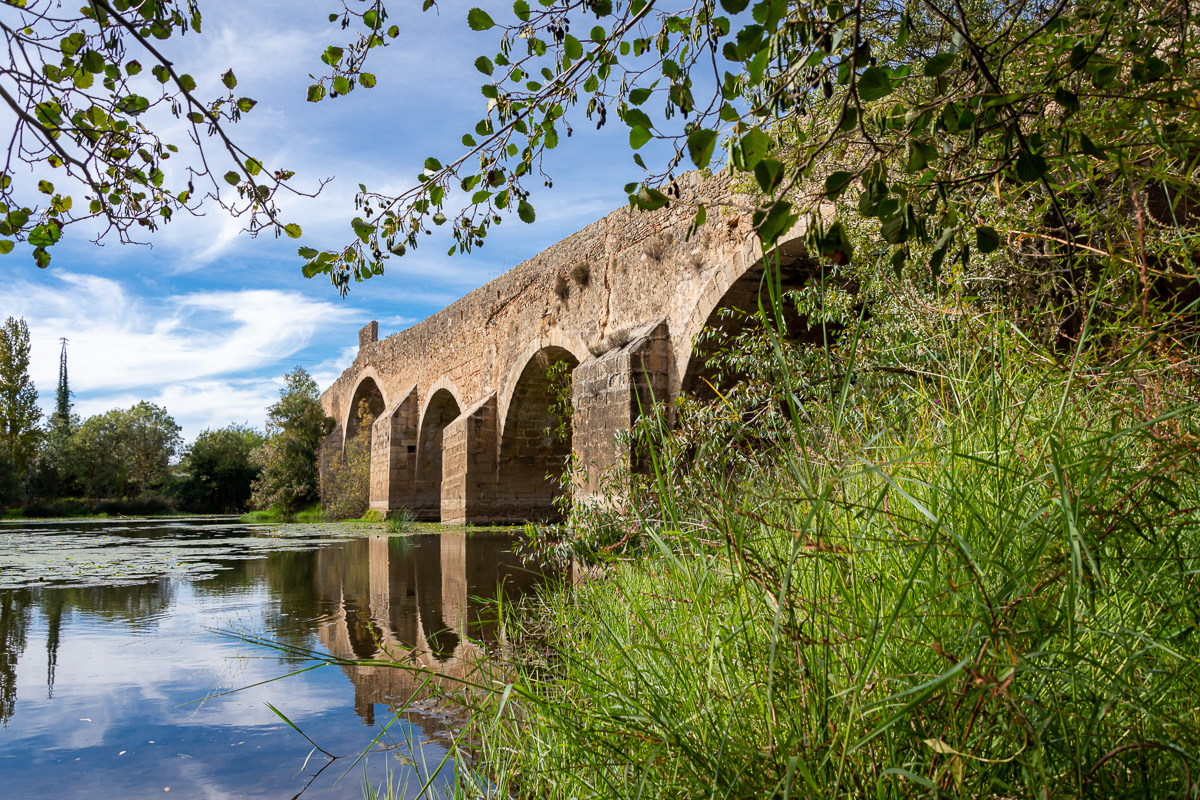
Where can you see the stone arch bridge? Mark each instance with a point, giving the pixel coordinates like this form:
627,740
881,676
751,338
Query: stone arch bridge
462,401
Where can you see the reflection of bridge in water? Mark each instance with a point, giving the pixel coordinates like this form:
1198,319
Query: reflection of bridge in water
427,601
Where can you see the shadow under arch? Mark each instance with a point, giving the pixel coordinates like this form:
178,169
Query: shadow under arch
367,390
735,313
441,409
532,457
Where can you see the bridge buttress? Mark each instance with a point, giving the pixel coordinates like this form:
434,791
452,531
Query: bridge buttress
393,455
469,450
607,394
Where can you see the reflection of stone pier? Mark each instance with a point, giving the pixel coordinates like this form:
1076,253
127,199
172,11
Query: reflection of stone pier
422,601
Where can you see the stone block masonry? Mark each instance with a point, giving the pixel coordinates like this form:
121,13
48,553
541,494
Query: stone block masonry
465,427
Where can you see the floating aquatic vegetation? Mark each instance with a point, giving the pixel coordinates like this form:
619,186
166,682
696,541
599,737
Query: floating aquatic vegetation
122,552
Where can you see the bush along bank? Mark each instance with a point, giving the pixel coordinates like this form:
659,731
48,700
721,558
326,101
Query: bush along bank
974,575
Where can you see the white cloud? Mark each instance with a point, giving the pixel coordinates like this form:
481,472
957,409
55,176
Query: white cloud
205,355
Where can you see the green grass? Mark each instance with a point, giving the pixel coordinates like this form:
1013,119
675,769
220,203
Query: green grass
310,513
993,595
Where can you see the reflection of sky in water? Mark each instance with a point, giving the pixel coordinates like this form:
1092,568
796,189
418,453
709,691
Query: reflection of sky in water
120,719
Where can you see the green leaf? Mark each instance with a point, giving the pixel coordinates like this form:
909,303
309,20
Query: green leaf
307,252
371,19
734,6
849,120
92,61
874,84
774,222
292,230
836,183
919,155
41,258
341,85
938,64
525,212
478,20
187,83
648,199
6,246
484,65
751,149
635,116
700,146
45,187
638,136
894,229
986,239
315,93
468,140
1089,148
1030,166
521,9
367,80
253,166
572,48
229,80
639,96
769,174
362,229
232,178
45,235
244,104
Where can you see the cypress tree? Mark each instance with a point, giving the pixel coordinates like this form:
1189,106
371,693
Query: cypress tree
62,400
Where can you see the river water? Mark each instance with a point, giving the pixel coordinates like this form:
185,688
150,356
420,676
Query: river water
120,643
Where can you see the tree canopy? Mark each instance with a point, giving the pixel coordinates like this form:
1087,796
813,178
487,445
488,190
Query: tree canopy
19,412
959,126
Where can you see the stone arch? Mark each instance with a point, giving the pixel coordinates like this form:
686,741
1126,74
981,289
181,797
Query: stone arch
734,289
441,407
527,454
569,342
369,388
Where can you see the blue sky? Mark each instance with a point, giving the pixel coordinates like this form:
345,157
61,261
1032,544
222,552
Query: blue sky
205,320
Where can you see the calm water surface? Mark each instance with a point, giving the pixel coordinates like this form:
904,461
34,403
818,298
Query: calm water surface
113,660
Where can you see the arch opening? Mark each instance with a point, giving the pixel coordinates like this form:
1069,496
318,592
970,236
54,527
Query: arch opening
735,314
441,410
367,400
536,439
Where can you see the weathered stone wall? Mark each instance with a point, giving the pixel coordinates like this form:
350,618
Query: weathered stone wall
629,276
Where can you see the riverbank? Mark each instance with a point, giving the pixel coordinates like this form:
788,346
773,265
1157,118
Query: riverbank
985,589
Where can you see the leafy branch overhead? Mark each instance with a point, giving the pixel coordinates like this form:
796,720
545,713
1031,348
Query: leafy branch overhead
87,90
960,127
937,118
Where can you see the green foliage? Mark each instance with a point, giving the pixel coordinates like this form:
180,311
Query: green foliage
296,428
346,475
219,470
19,412
10,481
124,452
979,584
1057,132
401,520
80,114
561,408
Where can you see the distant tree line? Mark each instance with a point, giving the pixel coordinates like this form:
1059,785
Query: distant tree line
134,461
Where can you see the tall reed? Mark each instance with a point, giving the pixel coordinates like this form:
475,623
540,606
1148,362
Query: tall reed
975,578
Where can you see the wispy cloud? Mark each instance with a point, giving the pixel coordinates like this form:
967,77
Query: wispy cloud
203,354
